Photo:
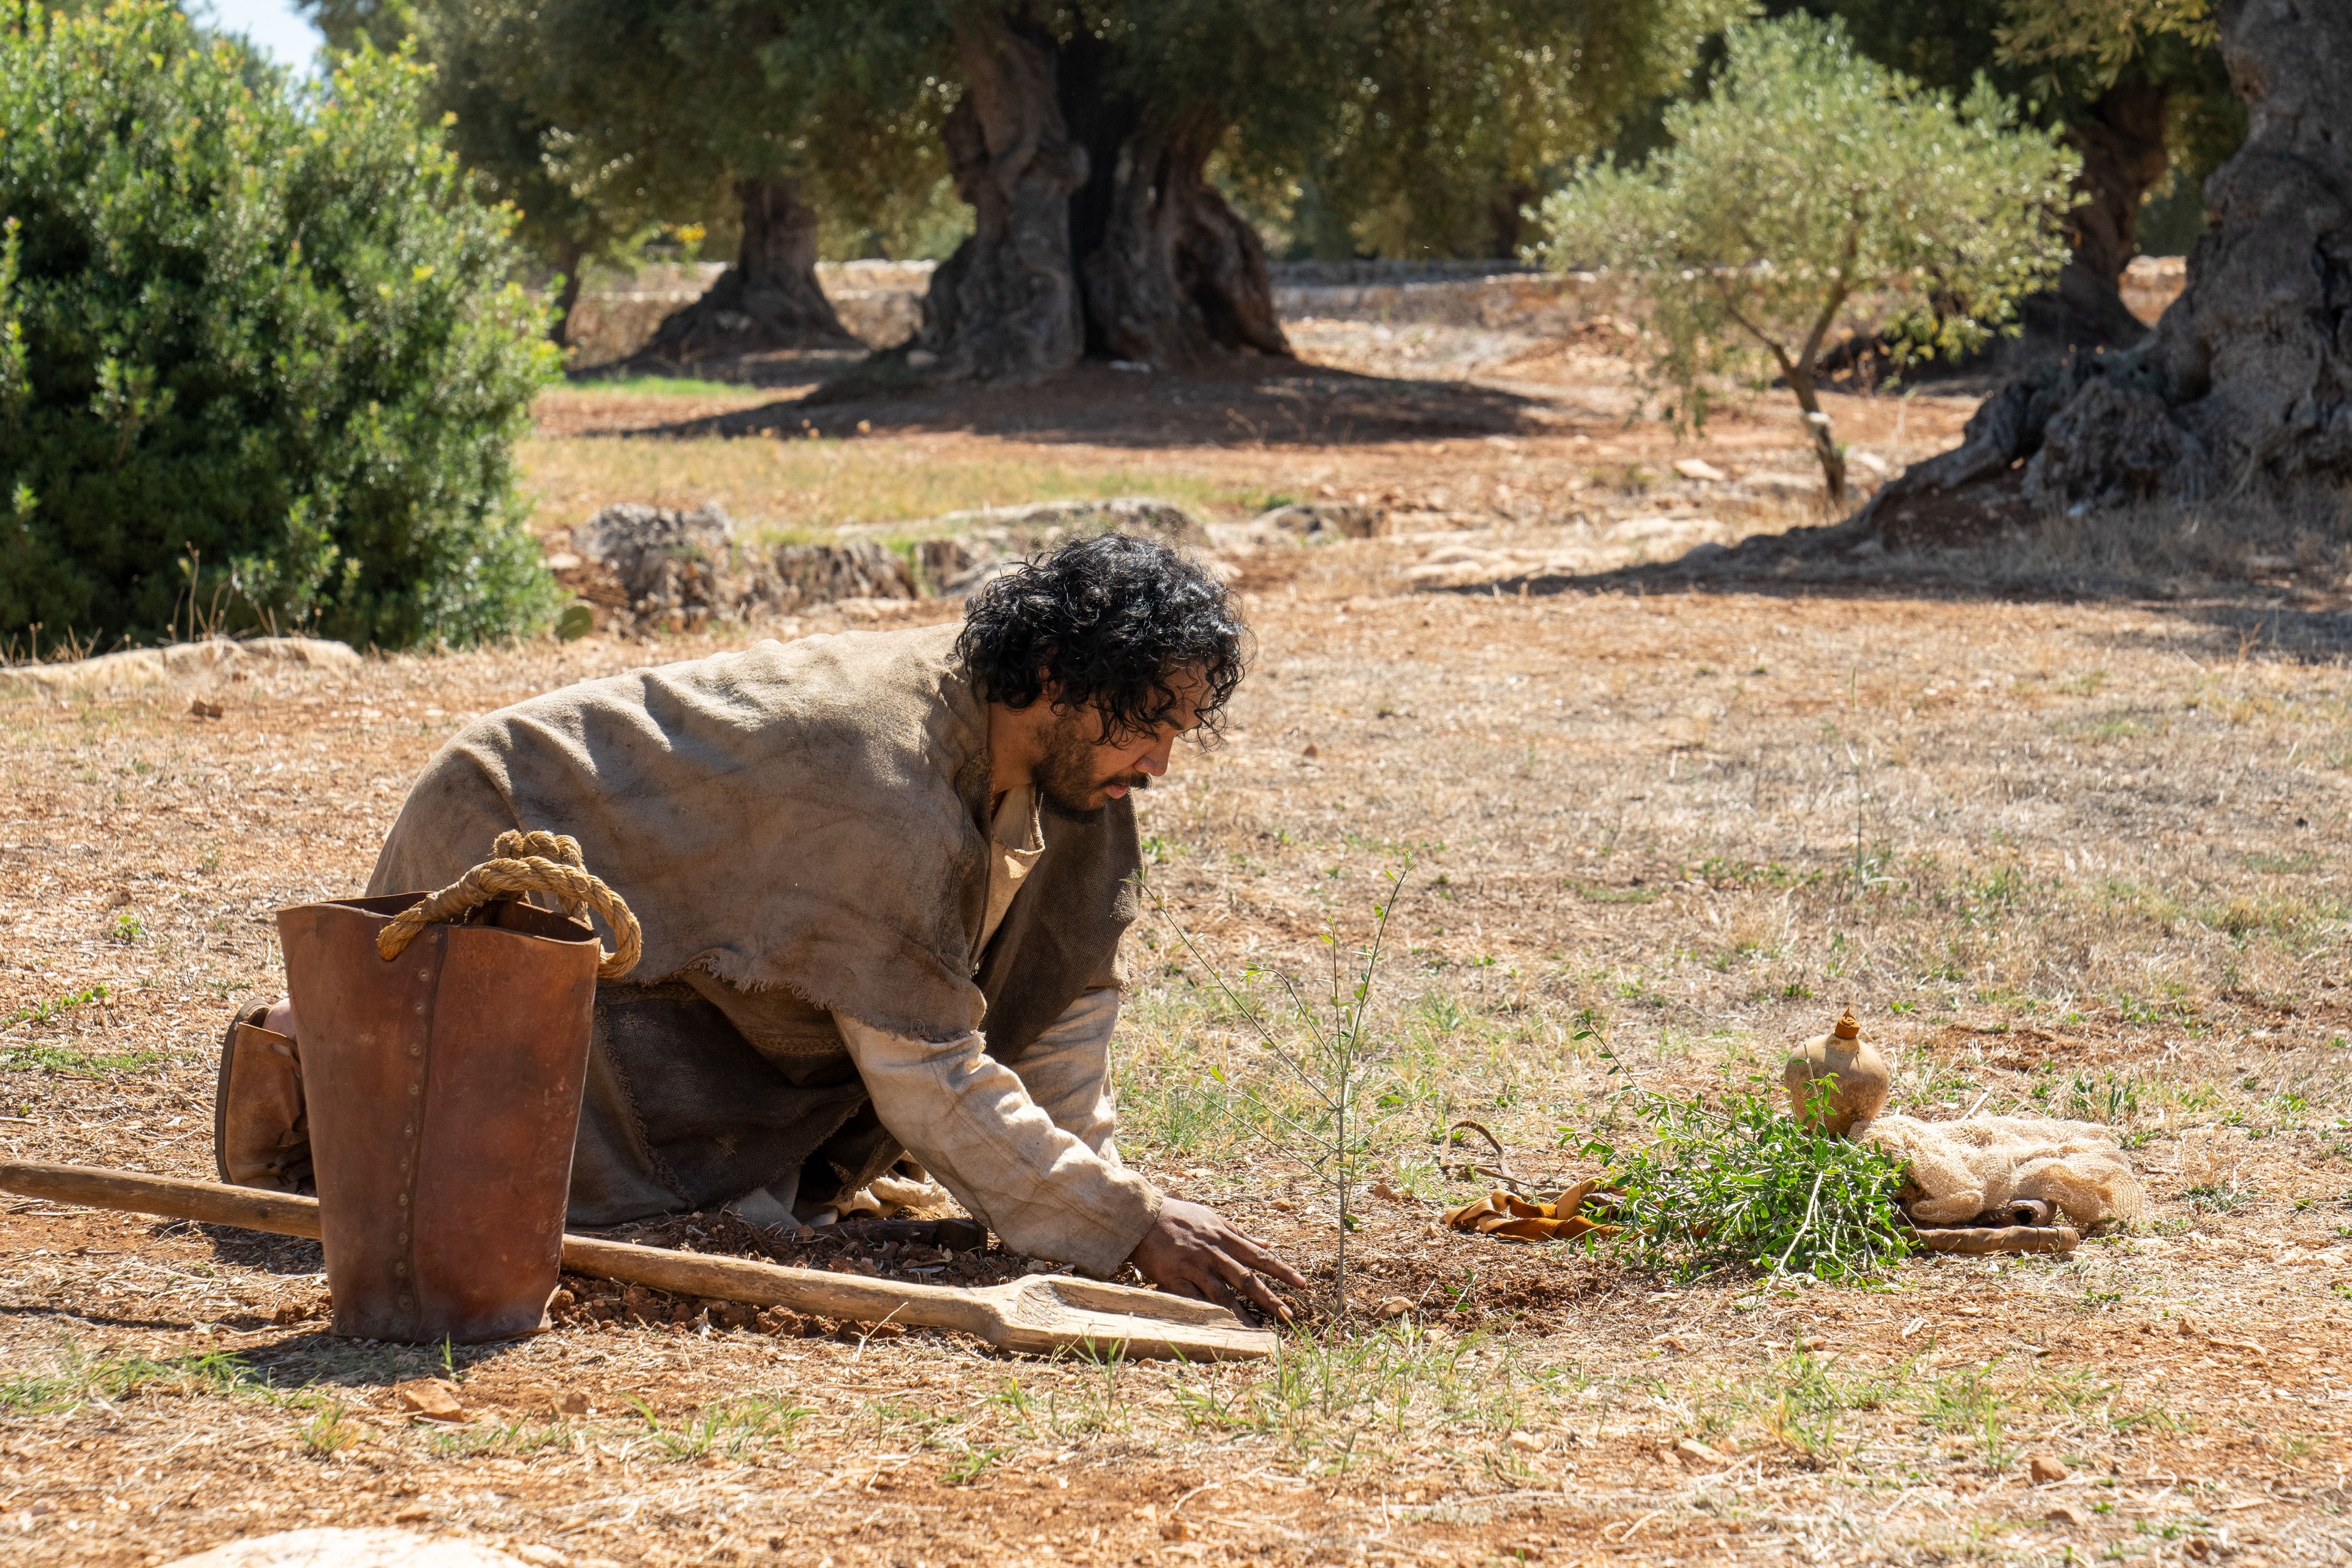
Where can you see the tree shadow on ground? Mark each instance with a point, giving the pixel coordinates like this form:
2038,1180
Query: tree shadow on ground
321,1356
783,370
1239,403
2301,612
256,1250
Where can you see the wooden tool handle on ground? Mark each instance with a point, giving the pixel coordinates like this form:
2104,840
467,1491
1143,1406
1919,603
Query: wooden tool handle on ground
1975,1239
988,1315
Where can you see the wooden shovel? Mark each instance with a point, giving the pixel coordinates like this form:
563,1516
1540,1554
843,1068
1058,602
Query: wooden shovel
1036,1316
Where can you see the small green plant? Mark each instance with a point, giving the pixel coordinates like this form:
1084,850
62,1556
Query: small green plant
329,1431
2220,1197
80,1379
968,1469
734,1428
71,1059
1809,1395
44,1012
1325,1048
127,929
1739,1183
2111,1098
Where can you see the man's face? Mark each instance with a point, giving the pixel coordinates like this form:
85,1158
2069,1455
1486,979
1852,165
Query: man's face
1082,771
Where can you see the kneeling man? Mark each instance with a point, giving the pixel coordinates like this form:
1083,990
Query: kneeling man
882,879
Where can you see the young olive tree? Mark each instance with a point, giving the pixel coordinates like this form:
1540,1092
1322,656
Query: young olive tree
1811,186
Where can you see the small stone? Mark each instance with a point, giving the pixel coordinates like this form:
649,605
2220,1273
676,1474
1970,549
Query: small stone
540,1556
575,1402
2067,1514
784,1322
1696,1452
434,1398
1699,468
1526,1442
414,1514
1396,1307
1815,1342
2045,1469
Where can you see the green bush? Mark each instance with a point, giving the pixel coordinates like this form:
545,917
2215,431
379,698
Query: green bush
261,361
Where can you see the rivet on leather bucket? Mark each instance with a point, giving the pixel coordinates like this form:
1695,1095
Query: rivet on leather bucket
444,1044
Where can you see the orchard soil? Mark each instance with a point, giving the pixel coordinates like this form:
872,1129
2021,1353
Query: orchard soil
2066,854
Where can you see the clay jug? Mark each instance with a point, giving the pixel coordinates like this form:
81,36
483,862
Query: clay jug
1858,1075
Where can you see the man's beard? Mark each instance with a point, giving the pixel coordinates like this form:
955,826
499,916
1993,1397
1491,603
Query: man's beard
1065,773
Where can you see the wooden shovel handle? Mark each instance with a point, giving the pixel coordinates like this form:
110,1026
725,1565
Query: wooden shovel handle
811,1290
1974,1239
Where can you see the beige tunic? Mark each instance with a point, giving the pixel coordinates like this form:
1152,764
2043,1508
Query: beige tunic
805,833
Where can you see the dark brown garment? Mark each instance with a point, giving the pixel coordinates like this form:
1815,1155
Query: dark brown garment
800,828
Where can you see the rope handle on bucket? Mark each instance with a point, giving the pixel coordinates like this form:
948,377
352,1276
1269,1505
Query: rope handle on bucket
525,863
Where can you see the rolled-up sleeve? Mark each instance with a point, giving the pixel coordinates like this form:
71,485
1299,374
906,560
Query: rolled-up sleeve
1046,1181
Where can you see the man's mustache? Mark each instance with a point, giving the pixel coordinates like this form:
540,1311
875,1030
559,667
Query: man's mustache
1131,780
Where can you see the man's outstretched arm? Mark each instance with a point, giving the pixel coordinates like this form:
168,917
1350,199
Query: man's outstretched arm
972,1123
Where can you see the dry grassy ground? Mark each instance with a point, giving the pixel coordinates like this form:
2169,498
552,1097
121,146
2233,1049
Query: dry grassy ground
2083,858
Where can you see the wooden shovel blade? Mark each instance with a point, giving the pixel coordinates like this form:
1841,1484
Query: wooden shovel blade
1047,1312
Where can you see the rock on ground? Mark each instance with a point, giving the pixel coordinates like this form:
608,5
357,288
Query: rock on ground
175,661
659,567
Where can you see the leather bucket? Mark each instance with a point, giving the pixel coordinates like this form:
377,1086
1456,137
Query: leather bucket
443,1087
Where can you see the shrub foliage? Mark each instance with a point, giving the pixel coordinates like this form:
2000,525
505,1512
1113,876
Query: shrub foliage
261,363
1742,1184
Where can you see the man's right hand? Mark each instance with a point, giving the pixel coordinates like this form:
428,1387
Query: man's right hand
1193,1250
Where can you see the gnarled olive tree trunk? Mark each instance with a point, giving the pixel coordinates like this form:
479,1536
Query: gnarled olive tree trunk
768,299
1178,273
2246,383
1004,306
1095,228
2121,141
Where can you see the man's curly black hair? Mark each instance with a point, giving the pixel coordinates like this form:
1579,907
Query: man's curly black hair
1110,619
